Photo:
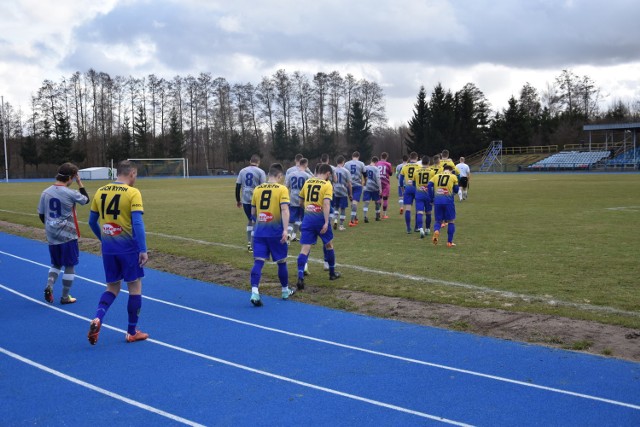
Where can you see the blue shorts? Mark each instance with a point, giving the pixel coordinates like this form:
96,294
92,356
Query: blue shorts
423,202
122,267
310,230
247,210
356,191
409,194
444,212
371,195
295,213
340,202
263,247
65,254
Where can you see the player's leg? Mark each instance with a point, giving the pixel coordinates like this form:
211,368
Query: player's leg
331,256
386,189
419,215
247,212
365,208
407,202
55,255
400,199
260,254
438,217
113,275
376,199
134,304
308,237
451,225
279,255
71,256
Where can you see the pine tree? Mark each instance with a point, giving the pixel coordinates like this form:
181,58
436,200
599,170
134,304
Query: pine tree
359,132
416,139
176,146
280,149
140,134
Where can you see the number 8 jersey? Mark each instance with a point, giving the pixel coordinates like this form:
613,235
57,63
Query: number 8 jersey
267,199
114,203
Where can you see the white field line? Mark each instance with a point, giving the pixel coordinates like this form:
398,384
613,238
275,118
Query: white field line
422,279
100,389
337,344
246,368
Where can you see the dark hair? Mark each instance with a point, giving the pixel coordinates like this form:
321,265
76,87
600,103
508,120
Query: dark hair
276,169
447,167
304,161
298,157
66,171
255,159
125,167
426,160
356,154
374,159
445,153
339,159
384,155
405,158
323,168
413,155
324,158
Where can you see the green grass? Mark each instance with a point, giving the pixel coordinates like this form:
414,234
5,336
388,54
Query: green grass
561,244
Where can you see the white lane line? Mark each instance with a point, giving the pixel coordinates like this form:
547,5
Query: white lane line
100,389
250,369
414,278
350,347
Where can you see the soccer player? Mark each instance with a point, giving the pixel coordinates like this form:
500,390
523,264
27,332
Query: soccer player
293,168
341,191
442,189
423,201
445,160
465,175
270,208
408,186
248,179
356,169
386,170
316,195
57,211
294,182
116,219
372,188
405,159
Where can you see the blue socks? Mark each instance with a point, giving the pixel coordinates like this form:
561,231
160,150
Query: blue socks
419,220
428,217
106,299
407,219
302,260
451,228
283,274
133,308
256,272
331,259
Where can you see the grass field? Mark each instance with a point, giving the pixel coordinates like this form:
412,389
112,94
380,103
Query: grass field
563,244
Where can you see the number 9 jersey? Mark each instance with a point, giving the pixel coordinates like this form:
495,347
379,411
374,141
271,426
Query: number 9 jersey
114,204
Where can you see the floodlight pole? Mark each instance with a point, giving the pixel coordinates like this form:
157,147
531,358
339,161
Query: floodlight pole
4,137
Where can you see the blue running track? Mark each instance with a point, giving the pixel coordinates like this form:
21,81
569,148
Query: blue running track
214,359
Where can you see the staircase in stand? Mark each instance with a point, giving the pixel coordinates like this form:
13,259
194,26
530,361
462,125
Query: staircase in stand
491,157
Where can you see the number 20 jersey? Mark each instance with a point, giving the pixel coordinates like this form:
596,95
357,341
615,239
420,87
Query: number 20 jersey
114,203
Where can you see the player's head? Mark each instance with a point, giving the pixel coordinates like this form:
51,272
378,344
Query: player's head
255,160
297,158
461,159
448,168
127,172
426,160
340,160
374,160
445,154
384,156
304,162
276,171
66,172
405,158
436,159
324,158
413,156
323,170
355,155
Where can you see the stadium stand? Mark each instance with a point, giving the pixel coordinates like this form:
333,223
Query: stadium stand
627,158
571,160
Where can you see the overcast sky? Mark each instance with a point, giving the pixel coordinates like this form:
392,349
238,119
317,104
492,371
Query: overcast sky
401,44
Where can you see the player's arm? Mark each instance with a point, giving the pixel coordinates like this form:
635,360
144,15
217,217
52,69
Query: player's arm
139,234
238,188
430,189
284,212
326,210
93,224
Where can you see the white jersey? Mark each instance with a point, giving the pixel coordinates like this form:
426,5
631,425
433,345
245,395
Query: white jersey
250,177
464,170
343,176
356,169
373,178
294,182
58,205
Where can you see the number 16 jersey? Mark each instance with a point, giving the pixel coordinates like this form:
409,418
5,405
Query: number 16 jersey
313,194
114,203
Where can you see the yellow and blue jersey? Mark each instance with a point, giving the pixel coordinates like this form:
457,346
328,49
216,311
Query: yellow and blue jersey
114,204
449,162
313,194
267,200
408,171
422,176
444,187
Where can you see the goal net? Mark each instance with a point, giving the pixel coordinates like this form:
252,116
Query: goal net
178,167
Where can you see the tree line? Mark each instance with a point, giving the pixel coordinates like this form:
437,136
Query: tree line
91,118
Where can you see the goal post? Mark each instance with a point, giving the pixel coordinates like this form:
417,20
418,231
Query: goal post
162,167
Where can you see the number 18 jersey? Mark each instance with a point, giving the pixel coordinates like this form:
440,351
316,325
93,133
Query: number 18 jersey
114,204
